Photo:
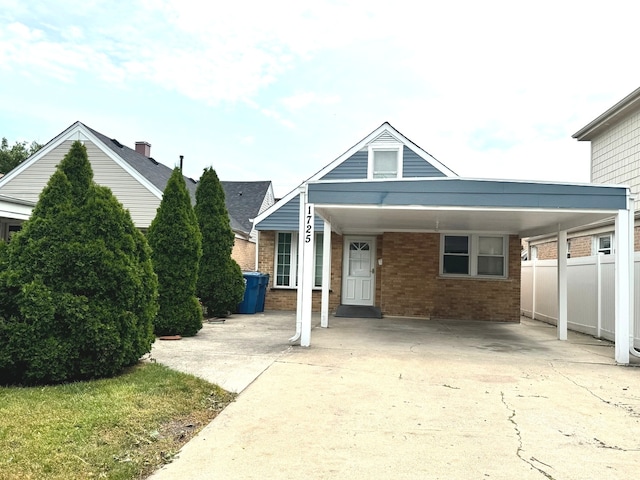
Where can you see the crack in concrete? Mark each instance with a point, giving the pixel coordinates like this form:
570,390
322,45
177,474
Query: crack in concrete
519,437
627,408
601,444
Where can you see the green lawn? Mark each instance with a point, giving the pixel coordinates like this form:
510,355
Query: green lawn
118,428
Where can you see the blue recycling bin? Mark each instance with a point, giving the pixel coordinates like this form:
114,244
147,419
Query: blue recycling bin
251,290
262,292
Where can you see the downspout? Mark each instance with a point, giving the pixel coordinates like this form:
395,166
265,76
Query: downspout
632,320
298,333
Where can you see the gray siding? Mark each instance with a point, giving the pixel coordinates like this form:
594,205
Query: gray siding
353,168
469,193
414,165
287,218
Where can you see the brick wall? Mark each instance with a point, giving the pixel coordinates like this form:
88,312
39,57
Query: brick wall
408,282
579,246
244,252
286,298
547,251
412,286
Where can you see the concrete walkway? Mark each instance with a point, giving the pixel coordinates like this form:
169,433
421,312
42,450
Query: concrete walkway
410,399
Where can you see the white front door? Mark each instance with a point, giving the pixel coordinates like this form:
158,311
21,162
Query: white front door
358,267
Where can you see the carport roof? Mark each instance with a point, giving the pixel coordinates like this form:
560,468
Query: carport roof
457,204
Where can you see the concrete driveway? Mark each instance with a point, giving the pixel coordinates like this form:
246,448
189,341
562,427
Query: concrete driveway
409,399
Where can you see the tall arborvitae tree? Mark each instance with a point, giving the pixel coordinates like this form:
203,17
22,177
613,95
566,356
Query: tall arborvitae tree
77,290
176,246
220,282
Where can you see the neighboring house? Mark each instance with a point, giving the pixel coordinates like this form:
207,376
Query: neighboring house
410,238
245,201
615,159
134,177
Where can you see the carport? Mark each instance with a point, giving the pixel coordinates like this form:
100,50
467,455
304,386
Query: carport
450,205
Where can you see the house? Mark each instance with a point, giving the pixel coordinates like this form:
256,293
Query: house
388,228
245,201
135,178
615,159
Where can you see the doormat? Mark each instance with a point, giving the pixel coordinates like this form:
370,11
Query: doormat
358,311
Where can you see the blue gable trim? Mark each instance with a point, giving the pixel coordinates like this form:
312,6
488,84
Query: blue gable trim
469,193
287,217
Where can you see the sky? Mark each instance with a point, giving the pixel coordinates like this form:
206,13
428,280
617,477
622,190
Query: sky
276,90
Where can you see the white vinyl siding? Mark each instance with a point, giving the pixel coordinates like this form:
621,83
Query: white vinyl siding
474,255
615,155
141,203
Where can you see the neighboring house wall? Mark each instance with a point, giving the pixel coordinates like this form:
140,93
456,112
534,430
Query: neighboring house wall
580,245
408,281
615,155
244,252
140,202
269,199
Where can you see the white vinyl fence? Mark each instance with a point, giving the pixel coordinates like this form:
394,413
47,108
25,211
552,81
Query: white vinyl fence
591,294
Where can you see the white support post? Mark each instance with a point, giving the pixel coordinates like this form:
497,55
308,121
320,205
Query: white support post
306,280
623,274
534,266
326,274
563,313
599,294
299,270
632,274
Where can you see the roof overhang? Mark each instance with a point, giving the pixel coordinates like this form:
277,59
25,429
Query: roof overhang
15,208
454,204
624,107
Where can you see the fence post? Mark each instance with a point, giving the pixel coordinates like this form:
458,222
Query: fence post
533,287
562,286
599,295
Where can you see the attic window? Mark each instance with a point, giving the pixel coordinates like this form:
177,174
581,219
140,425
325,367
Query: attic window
385,161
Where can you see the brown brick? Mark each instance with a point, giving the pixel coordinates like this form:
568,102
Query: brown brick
408,282
244,252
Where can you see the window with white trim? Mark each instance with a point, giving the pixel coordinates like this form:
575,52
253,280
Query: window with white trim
474,255
604,244
287,259
385,161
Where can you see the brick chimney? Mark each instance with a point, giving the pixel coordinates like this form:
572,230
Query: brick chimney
143,148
